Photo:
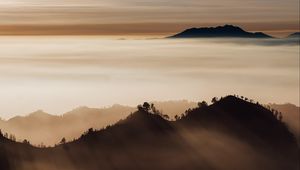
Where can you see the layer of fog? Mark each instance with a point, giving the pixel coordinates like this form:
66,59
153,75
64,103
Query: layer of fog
57,74
207,149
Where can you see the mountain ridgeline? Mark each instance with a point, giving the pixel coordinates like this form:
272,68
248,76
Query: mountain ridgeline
72,124
229,134
295,35
226,31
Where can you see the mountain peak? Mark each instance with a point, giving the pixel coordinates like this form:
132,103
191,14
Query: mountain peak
241,116
138,126
294,35
146,120
230,27
226,31
38,112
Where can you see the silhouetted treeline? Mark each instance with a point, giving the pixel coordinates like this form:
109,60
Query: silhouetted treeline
231,133
150,108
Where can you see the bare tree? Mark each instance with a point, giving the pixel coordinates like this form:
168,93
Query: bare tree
214,100
63,141
146,106
140,107
202,104
25,141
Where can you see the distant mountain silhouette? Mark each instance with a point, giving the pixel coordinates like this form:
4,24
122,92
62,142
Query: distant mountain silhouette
69,125
226,31
229,134
73,123
294,35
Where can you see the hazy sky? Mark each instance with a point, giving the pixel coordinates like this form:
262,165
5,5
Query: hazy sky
147,16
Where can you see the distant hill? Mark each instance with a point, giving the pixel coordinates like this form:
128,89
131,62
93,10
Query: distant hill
73,123
69,125
229,134
226,31
294,35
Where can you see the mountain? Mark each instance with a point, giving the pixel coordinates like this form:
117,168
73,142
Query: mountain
73,123
229,134
226,31
69,125
256,119
294,35
291,116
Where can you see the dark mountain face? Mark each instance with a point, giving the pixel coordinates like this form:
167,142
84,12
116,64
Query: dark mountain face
242,118
228,31
291,115
294,35
229,134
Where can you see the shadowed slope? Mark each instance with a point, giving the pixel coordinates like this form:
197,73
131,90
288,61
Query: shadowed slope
230,134
237,115
252,123
137,126
291,116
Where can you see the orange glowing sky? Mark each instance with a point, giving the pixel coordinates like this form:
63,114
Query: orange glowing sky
144,17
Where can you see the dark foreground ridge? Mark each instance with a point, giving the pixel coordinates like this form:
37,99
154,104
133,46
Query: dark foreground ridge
226,31
230,134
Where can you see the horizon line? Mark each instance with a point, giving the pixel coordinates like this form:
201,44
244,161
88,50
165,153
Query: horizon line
119,29
122,105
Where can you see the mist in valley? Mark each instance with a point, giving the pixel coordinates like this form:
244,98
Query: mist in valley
41,128
60,73
218,136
